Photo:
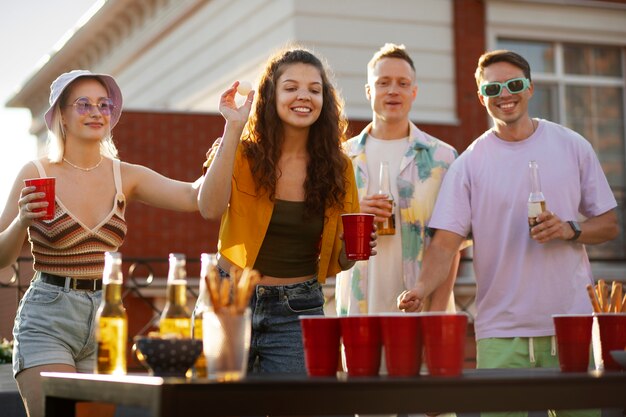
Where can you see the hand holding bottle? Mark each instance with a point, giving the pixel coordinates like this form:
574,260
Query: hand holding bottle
378,205
549,227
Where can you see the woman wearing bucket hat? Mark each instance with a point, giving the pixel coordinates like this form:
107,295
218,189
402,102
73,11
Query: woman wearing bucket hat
53,328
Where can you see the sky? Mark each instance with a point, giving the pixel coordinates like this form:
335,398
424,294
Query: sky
29,31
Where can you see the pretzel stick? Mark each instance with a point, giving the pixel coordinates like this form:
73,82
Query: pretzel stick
235,273
598,294
212,280
255,278
225,293
616,298
606,296
594,299
602,291
208,290
236,278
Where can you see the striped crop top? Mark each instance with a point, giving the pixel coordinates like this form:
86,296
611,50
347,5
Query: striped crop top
65,246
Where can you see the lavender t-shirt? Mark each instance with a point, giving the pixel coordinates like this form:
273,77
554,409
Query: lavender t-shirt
520,282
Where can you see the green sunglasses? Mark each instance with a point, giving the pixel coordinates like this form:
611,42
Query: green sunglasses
514,85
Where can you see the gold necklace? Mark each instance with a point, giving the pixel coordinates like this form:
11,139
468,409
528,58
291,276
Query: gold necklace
85,169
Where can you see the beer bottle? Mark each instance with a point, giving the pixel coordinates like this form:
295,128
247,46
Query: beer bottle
387,227
111,319
175,318
536,200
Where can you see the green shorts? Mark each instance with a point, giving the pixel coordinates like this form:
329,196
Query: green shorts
523,352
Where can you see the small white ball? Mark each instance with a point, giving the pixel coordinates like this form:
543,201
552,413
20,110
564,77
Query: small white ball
244,87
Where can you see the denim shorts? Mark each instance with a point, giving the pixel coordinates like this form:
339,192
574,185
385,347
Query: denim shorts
276,345
55,325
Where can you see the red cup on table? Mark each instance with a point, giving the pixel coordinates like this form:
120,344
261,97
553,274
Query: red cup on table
362,341
573,338
357,231
444,342
321,339
44,185
612,337
402,339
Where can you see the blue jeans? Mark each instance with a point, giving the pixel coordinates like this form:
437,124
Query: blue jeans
276,345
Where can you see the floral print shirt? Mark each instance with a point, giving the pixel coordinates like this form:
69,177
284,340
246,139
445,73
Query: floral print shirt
422,169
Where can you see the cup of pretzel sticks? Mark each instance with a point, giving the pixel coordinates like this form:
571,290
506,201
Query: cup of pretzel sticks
609,322
226,324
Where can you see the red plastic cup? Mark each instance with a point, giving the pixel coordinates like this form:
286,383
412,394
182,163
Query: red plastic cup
44,185
444,342
402,338
362,341
573,337
357,230
320,337
612,337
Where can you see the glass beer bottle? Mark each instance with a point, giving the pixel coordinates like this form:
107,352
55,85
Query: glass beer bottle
387,227
111,319
536,200
176,318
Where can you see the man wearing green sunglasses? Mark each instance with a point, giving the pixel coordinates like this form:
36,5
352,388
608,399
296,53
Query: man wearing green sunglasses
514,85
522,279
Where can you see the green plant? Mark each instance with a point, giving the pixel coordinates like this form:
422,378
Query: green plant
6,351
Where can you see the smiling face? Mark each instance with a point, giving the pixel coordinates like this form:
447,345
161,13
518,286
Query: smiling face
507,109
92,125
299,95
391,89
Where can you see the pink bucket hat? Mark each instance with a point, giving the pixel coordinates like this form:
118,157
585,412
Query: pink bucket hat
60,84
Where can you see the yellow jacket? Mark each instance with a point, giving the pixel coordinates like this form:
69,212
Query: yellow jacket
245,221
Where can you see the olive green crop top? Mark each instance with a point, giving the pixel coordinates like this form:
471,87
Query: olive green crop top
291,244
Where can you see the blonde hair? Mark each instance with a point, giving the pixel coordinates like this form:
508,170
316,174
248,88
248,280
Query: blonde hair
56,134
390,50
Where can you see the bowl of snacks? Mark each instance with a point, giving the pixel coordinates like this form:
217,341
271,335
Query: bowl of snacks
167,356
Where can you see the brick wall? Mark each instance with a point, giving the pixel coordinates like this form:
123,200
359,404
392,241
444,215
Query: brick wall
175,145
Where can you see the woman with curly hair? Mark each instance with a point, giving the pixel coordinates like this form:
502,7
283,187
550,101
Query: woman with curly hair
280,211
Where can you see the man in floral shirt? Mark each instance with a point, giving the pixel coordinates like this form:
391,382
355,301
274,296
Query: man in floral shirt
417,165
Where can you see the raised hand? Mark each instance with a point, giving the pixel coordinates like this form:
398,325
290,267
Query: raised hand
228,105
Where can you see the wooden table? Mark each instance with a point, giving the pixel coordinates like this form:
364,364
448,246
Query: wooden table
476,390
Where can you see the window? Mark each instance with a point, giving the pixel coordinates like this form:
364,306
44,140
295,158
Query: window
581,86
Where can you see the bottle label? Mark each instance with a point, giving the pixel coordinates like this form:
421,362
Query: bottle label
535,208
111,336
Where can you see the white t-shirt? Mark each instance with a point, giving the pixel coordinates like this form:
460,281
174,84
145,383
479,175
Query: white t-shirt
520,282
385,269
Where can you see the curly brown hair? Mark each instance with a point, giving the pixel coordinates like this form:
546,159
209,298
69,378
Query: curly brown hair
325,184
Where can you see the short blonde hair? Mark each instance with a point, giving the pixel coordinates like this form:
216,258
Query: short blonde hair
390,50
